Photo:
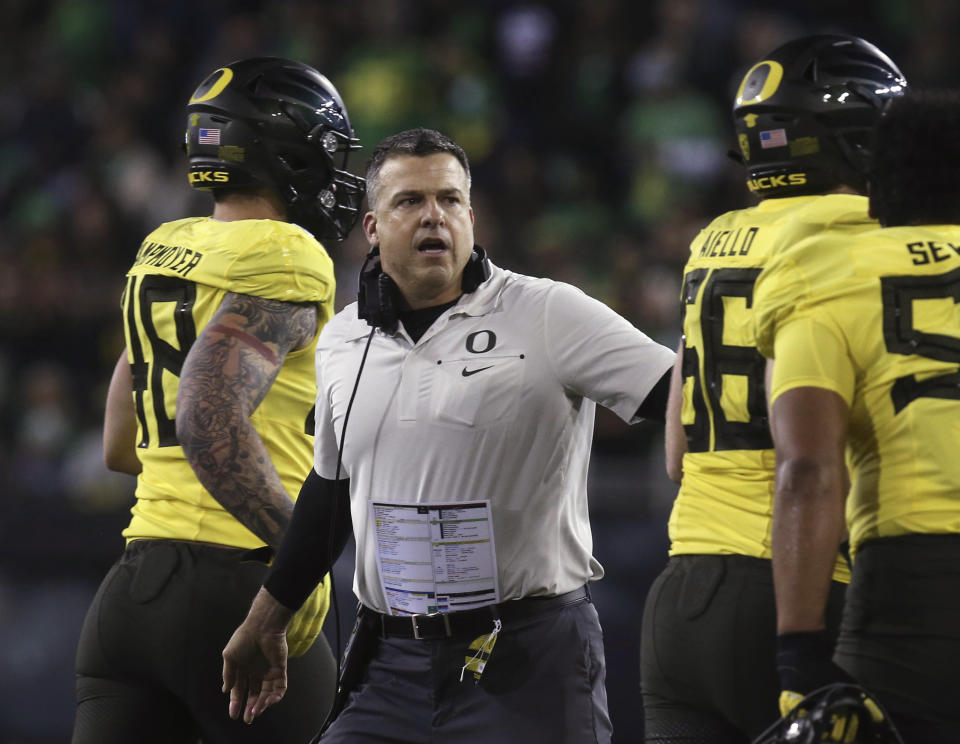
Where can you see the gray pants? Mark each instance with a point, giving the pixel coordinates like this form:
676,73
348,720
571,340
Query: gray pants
543,682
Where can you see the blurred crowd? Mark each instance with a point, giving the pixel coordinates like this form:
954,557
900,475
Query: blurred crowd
597,130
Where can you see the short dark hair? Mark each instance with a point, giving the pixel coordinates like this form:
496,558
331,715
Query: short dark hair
913,177
418,142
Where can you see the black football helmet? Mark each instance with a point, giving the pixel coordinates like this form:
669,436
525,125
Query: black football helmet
271,122
804,114
835,713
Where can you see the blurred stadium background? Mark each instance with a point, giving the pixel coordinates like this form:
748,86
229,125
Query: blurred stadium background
597,130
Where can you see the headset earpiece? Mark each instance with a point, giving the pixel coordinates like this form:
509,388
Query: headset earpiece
378,298
377,294
477,270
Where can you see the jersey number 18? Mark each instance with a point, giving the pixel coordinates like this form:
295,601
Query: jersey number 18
163,305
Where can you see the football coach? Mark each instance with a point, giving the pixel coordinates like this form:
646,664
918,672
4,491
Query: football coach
454,420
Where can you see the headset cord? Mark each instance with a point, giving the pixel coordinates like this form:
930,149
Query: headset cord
336,480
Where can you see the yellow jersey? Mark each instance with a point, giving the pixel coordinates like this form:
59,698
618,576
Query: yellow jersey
875,318
177,282
725,501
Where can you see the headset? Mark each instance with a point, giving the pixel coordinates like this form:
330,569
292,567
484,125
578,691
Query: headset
378,297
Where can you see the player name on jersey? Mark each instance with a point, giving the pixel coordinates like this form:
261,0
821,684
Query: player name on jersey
173,257
728,242
931,251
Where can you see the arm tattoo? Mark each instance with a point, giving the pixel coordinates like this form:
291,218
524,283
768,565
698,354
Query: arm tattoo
228,371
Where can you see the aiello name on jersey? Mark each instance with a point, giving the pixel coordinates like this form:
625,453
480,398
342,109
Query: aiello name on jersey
728,242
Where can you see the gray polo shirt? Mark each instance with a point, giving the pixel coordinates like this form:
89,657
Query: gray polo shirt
495,402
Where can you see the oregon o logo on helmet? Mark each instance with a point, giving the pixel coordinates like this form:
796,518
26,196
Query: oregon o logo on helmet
216,85
760,82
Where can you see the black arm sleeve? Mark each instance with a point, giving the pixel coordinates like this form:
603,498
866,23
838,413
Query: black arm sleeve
315,538
654,406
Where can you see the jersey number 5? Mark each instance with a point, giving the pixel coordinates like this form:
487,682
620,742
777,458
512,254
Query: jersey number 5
160,342
901,337
721,360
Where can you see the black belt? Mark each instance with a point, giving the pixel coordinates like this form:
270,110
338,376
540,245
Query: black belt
439,625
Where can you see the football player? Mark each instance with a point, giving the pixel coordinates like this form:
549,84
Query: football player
211,404
866,337
803,117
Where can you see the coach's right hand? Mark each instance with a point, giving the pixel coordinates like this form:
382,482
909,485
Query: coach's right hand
255,658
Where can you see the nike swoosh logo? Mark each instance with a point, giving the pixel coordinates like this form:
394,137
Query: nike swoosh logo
467,372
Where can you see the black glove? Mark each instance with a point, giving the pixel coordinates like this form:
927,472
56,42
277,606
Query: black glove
804,665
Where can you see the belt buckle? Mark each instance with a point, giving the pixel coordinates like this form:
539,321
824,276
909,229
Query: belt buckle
416,627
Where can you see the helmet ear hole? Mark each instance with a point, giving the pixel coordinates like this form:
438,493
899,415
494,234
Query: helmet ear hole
292,162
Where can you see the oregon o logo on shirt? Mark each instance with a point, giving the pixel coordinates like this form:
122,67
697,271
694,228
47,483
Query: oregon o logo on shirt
481,341
760,82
